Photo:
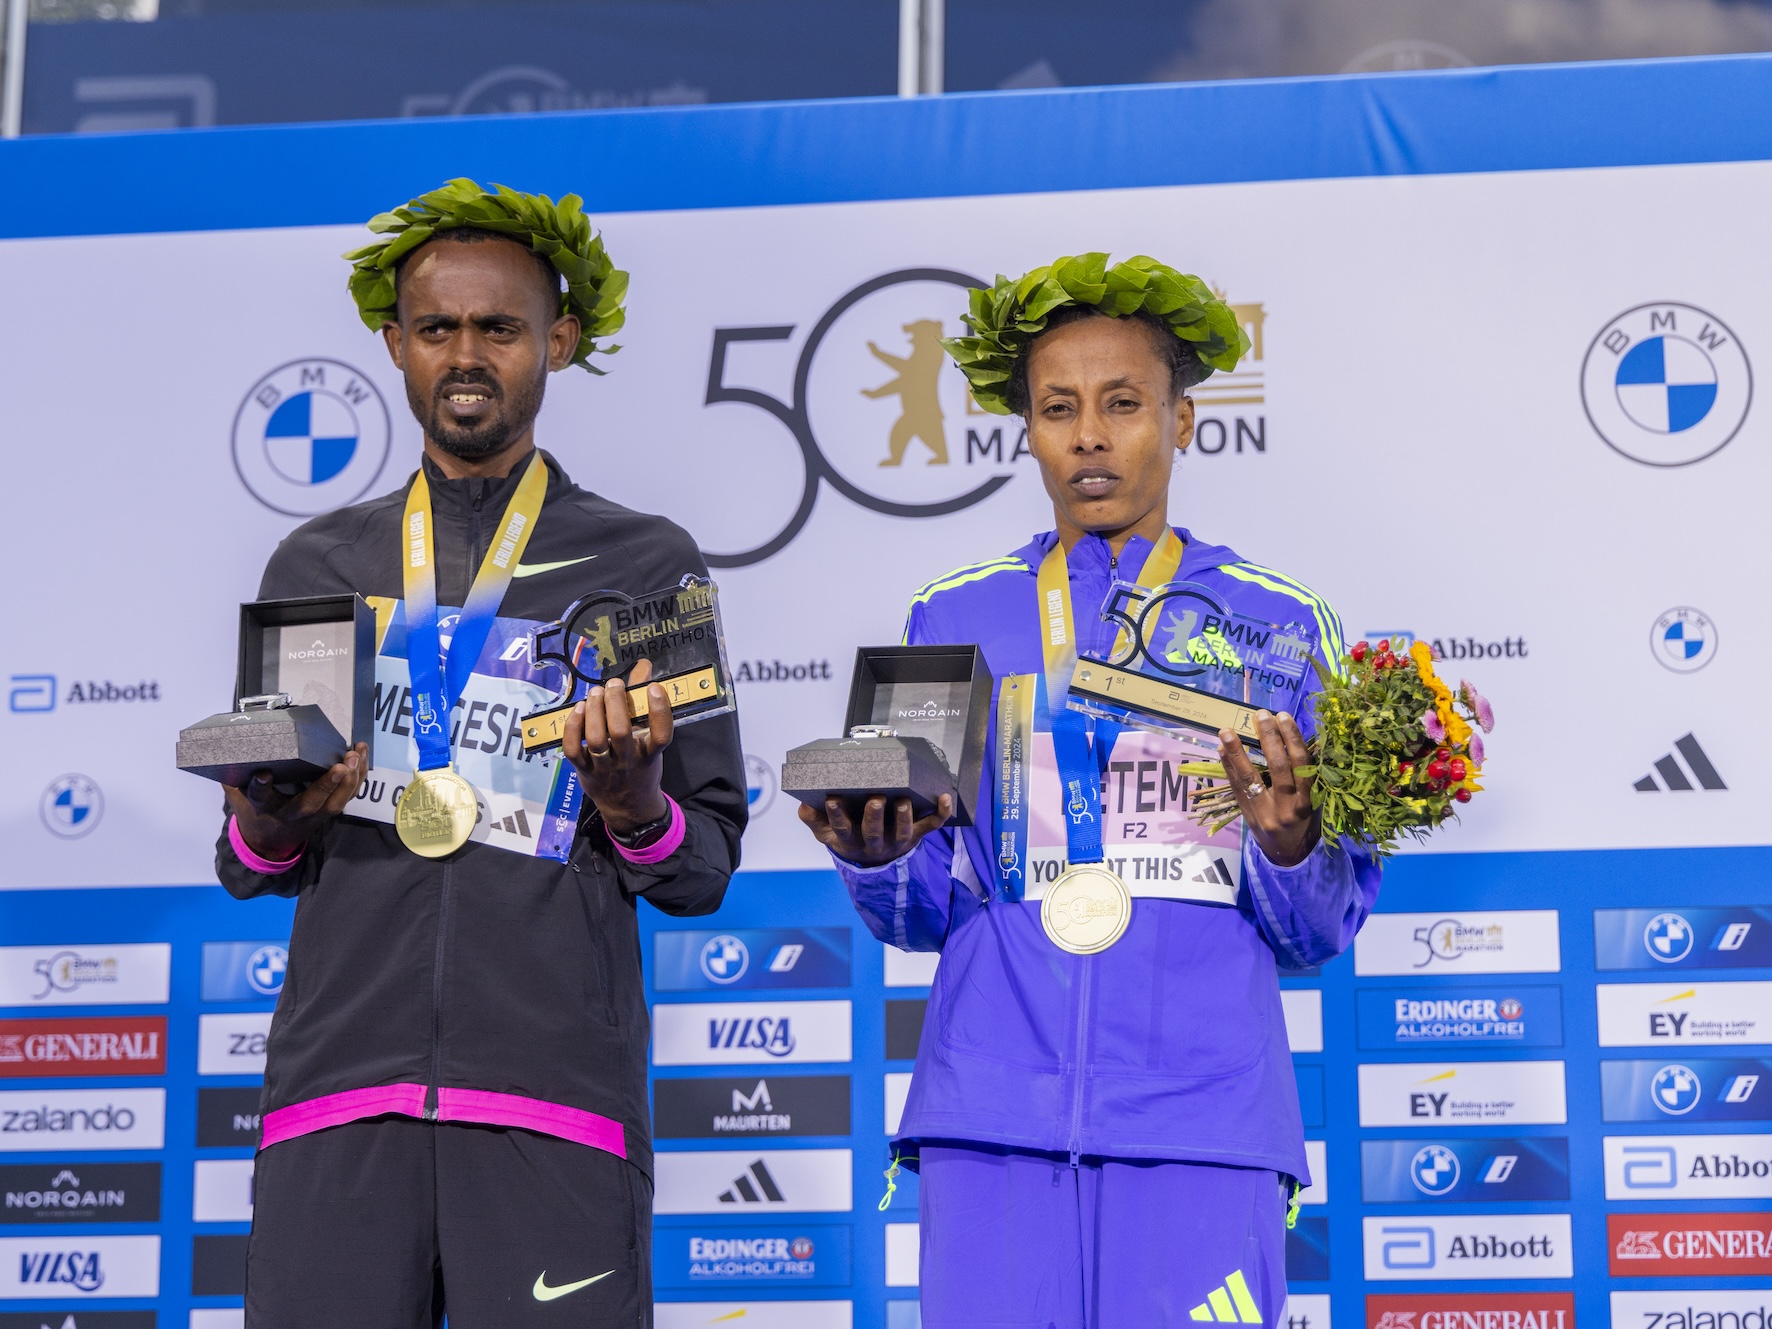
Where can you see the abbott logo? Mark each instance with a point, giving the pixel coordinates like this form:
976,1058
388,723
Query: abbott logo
1408,1247
1688,1167
1473,1246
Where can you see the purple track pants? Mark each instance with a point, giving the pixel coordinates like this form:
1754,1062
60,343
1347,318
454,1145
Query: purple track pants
1013,1240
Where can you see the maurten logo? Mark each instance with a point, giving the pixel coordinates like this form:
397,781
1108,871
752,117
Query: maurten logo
1666,384
72,806
1680,778
1683,640
311,436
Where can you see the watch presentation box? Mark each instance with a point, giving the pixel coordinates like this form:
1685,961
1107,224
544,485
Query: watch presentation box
304,694
916,727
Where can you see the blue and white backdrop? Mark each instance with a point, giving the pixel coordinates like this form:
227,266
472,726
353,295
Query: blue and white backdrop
1506,329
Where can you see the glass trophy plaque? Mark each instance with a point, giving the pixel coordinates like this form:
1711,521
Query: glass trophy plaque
916,729
303,694
1185,660
605,634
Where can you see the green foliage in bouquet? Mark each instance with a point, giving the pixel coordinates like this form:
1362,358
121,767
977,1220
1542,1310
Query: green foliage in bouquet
1395,751
559,232
1006,318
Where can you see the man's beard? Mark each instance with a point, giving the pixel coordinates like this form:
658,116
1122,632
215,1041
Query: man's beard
490,435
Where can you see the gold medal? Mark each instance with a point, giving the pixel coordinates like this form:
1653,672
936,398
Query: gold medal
437,813
1086,910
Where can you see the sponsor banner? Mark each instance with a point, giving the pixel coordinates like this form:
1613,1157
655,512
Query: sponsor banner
221,1191
734,1033
80,1193
1468,1246
1466,1093
244,970
698,961
102,1045
1688,1167
904,1254
1738,938
232,1044
1307,1311
1316,1162
1310,1093
218,1265
1471,1310
1691,1089
1681,1308
1307,1250
86,1319
1494,1014
228,1117
1496,941
225,1318
74,1119
898,1092
136,975
731,1181
751,1105
1682,1014
1303,1011
1462,1171
64,1268
904,1027
753,1314
802,1256
909,969
1677,1245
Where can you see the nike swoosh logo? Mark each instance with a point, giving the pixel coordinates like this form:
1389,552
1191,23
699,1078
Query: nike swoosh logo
545,1293
531,569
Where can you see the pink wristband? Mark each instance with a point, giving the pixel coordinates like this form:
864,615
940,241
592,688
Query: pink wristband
258,863
664,846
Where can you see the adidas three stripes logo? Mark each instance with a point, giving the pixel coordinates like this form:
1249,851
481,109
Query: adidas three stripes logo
1229,1304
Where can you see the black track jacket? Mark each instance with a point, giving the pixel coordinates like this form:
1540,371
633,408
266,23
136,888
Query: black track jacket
489,986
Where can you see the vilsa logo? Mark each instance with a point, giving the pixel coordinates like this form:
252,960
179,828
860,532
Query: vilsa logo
765,1034
76,1269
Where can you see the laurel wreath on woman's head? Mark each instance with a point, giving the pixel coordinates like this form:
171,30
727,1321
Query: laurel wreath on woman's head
559,232
1006,318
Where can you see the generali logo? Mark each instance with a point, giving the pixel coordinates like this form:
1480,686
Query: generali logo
1495,1310
1675,1245
118,1045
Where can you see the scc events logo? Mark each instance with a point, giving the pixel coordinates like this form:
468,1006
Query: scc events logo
879,412
311,436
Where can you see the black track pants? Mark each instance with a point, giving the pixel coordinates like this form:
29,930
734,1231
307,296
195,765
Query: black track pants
390,1224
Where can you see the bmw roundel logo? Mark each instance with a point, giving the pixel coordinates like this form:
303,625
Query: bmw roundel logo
1668,938
311,436
724,959
760,784
72,806
1675,1090
1683,640
265,968
1666,384
1434,1169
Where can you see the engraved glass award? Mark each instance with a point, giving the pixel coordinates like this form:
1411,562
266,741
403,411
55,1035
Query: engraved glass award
1185,660
603,635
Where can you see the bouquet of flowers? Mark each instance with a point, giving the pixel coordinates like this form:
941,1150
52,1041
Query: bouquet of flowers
1395,753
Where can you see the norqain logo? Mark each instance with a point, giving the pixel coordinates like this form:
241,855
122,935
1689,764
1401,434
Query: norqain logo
878,411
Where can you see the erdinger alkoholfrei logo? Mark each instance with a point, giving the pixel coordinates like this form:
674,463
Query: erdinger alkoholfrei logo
878,411
1666,384
311,436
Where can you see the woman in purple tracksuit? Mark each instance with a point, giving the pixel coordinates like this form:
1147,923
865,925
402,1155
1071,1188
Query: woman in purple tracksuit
1109,1138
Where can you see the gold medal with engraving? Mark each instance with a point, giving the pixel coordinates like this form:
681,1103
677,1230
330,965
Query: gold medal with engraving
437,813
1086,910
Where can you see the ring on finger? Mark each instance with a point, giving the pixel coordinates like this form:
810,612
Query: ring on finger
1256,789
604,753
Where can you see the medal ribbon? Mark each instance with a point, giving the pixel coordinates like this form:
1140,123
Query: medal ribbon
437,684
1073,733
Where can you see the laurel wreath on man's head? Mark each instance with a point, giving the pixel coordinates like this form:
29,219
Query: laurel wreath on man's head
559,232
1006,318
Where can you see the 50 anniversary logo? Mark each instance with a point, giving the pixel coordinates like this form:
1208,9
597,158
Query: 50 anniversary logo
922,381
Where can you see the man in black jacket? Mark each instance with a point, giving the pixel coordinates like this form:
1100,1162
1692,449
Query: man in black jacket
455,1113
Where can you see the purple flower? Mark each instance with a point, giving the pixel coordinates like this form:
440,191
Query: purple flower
1430,721
1478,704
1433,652
1477,748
